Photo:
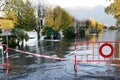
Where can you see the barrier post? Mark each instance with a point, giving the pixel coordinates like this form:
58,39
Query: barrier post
5,63
75,65
2,56
87,45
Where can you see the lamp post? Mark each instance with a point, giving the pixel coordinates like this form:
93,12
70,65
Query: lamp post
39,16
41,20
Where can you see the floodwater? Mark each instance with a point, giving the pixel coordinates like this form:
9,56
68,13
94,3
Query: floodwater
27,67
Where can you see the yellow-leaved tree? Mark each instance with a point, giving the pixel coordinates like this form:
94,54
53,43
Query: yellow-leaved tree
57,18
114,9
49,17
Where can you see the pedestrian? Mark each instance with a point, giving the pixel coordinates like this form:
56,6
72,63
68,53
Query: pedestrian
52,35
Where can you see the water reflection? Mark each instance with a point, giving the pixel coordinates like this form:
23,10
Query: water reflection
94,37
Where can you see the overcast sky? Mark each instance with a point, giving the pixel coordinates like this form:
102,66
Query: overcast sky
79,3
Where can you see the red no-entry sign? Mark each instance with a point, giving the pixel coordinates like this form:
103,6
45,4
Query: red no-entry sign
106,50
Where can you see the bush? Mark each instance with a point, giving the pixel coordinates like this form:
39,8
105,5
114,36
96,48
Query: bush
82,33
112,28
47,31
69,33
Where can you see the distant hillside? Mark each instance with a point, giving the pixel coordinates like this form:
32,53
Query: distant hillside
96,13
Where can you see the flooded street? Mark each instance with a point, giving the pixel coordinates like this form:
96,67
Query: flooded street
28,67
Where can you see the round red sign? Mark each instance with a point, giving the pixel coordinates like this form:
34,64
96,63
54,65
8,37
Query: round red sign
106,50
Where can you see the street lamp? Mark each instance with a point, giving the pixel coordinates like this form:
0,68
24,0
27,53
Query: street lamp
40,15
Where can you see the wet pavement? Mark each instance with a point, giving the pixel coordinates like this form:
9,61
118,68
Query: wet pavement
63,70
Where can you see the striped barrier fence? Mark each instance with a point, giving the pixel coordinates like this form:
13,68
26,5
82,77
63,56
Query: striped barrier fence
38,55
100,51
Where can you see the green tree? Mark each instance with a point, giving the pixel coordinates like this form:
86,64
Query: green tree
22,13
20,35
48,31
69,33
23,16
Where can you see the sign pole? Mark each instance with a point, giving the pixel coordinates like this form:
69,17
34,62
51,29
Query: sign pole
7,39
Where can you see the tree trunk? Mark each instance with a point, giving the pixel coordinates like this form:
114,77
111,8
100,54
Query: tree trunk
37,29
38,36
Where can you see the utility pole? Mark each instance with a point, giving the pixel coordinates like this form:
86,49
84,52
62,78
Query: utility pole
40,20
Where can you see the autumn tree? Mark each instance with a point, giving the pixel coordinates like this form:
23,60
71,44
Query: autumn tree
93,25
57,18
114,9
49,17
66,20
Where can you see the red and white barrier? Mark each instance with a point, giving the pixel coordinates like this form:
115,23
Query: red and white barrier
101,51
6,64
38,55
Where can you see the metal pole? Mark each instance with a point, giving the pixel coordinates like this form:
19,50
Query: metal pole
7,40
7,63
2,56
75,65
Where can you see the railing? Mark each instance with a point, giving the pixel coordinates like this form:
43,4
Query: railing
101,51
